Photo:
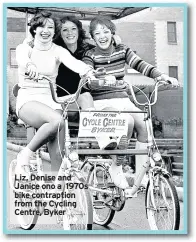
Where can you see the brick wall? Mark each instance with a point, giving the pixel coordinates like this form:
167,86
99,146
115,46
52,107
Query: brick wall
169,104
139,37
16,24
18,132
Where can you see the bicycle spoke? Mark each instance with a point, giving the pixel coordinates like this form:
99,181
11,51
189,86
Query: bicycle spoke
163,216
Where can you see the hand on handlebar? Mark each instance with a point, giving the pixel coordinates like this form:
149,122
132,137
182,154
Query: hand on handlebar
32,71
100,78
110,80
169,80
96,78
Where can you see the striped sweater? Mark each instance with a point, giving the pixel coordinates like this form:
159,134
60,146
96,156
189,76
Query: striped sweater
114,60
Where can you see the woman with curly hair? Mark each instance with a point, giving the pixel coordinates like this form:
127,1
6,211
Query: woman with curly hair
72,37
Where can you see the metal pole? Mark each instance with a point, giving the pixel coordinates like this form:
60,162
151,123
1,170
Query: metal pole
26,22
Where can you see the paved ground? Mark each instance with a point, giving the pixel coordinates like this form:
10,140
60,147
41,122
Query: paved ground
132,217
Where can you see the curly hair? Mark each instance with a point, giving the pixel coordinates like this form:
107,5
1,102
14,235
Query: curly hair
103,21
81,31
39,20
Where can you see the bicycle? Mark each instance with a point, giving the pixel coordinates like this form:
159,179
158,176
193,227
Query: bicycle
31,193
161,198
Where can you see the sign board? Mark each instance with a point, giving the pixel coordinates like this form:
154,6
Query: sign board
94,124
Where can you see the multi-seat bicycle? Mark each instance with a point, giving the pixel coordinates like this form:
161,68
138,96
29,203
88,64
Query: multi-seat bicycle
100,198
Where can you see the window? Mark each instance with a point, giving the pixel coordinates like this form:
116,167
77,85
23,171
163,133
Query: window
171,32
173,71
13,62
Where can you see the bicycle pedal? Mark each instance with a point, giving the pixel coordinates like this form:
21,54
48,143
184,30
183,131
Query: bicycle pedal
100,185
111,185
98,204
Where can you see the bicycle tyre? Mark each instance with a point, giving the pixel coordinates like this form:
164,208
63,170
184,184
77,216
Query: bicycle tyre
106,217
27,222
80,217
169,201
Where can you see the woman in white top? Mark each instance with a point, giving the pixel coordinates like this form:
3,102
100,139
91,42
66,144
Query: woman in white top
35,105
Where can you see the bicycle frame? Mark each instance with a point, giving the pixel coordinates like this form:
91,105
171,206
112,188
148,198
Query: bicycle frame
149,166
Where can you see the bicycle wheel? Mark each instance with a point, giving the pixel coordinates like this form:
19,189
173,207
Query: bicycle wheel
102,214
26,211
165,213
79,209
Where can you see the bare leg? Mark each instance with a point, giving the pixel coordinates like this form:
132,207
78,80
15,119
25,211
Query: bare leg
140,127
85,101
55,148
42,117
46,120
140,144
115,169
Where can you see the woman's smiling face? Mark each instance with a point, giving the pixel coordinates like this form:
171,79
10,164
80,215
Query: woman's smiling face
45,33
69,33
102,36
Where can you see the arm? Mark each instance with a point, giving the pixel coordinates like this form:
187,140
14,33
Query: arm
23,52
147,69
71,62
94,83
136,62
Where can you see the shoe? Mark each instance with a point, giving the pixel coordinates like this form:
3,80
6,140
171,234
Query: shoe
111,145
22,168
122,145
118,176
107,143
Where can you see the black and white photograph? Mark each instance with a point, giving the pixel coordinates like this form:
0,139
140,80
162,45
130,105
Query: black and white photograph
95,108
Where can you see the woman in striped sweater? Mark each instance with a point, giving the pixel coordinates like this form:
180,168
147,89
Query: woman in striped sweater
113,93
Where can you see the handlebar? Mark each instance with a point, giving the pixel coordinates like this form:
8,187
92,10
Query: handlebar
54,95
100,73
154,92
57,99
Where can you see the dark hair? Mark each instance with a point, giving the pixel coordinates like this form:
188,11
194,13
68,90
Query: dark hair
81,31
39,20
103,21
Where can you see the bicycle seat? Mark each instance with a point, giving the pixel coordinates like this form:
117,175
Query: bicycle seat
15,90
